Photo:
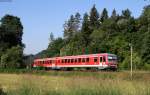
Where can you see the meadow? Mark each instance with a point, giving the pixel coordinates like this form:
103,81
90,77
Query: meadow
75,83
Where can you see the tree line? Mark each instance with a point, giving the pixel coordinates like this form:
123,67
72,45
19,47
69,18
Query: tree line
100,33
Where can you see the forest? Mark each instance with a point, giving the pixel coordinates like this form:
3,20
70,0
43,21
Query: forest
94,32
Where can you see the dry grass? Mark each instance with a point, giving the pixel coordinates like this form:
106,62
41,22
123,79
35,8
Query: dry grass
92,83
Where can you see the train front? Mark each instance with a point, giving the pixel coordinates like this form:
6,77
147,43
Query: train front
112,61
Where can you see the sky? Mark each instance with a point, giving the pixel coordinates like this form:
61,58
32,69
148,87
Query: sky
41,17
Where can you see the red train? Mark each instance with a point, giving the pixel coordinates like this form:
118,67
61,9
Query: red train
99,61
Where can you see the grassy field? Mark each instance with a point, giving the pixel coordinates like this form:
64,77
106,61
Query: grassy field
76,83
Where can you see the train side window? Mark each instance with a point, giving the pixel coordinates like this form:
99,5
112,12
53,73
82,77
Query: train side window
95,59
65,60
68,60
53,61
79,60
87,59
101,59
75,60
47,62
71,60
83,59
104,59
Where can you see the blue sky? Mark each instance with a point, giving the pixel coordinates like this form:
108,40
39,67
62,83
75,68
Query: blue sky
40,17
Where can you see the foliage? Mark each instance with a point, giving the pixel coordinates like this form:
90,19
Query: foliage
11,46
11,30
104,15
99,33
12,58
94,18
53,49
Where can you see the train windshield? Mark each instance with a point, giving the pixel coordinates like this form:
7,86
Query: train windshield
112,58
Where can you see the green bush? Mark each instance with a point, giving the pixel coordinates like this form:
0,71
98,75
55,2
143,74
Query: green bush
12,58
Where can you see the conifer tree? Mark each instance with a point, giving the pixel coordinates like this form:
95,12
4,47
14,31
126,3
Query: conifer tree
86,30
94,18
126,14
114,15
104,15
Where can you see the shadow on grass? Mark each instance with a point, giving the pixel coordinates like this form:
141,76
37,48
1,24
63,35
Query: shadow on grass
2,92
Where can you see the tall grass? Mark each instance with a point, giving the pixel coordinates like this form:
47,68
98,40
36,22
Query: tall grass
76,83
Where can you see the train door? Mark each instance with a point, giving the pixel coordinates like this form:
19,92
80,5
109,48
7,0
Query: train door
53,64
101,60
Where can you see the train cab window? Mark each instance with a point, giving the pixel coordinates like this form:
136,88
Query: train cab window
95,59
83,59
87,59
101,59
79,60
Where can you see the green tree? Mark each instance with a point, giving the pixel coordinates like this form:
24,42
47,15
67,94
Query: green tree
114,15
53,49
51,39
104,15
126,14
72,26
146,49
12,58
77,22
86,30
69,28
94,18
12,30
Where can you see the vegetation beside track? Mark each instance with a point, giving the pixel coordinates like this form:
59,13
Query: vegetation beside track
75,83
